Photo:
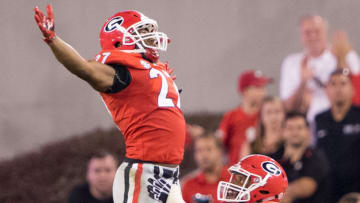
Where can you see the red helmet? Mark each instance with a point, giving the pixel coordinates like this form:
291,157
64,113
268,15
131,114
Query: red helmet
123,31
255,178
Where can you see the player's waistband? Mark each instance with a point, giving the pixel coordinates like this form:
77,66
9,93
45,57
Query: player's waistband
129,160
157,168
138,161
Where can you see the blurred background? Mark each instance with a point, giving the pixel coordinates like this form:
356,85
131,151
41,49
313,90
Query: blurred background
212,43
51,121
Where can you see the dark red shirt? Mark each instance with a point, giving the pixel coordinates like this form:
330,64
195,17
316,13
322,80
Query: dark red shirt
235,127
196,183
356,84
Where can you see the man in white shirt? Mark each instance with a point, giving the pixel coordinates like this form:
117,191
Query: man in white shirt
304,74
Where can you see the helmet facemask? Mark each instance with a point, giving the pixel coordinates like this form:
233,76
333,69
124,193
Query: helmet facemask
241,184
144,35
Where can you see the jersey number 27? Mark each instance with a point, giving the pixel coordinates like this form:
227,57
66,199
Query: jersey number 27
163,101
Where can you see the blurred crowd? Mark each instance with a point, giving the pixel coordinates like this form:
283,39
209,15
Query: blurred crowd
312,129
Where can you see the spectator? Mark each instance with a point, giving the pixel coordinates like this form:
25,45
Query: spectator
353,197
202,184
307,168
100,175
269,129
304,74
238,125
338,134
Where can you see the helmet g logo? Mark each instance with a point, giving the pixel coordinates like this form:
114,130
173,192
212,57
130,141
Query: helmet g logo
113,24
271,168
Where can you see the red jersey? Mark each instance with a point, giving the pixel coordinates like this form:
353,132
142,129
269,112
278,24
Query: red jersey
147,111
237,126
356,84
196,183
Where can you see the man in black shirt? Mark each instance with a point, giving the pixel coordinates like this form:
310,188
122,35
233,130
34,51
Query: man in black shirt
307,168
338,134
100,175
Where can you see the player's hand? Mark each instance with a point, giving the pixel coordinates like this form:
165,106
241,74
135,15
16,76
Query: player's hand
169,70
46,23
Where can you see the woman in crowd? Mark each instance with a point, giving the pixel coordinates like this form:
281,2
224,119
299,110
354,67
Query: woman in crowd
269,130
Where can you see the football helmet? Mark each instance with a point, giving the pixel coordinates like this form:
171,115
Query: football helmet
256,178
132,31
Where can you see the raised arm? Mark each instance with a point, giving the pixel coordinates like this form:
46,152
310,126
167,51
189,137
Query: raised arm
99,76
341,48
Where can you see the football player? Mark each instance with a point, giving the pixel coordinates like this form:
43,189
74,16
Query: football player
256,178
141,96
